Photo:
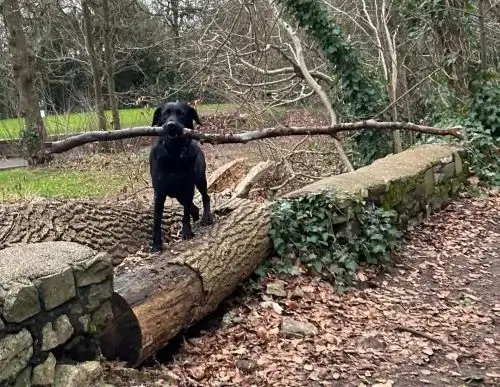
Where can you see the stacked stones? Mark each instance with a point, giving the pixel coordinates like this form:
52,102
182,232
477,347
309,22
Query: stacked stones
414,183
54,302
428,190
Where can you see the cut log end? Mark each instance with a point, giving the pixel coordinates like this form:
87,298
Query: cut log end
122,337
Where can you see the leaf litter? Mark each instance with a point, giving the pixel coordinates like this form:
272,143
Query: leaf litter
433,319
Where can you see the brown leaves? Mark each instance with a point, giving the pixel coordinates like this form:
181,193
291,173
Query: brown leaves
443,293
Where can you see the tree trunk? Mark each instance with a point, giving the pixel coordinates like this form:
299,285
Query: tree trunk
482,36
119,229
94,62
34,134
170,292
109,58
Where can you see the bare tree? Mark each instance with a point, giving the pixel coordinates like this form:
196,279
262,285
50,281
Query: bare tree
109,61
95,63
22,59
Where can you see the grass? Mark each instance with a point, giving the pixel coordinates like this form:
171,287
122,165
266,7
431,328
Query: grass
82,122
95,176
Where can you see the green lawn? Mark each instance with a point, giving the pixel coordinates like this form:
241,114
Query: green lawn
82,122
95,176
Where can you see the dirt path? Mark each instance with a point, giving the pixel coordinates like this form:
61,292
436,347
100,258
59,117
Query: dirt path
12,163
434,320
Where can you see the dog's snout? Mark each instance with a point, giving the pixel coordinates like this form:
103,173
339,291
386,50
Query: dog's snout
171,125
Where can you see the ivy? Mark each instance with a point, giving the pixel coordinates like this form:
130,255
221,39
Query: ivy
320,233
361,91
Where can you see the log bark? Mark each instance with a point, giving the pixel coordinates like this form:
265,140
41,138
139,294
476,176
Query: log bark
119,229
167,293
244,137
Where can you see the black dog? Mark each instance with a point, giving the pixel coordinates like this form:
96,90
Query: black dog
177,165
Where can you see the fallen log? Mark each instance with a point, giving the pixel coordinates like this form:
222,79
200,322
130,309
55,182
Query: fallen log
119,228
169,292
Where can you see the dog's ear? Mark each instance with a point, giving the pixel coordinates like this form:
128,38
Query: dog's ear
157,117
194,115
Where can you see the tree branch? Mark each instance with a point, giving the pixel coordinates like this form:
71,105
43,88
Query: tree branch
244,137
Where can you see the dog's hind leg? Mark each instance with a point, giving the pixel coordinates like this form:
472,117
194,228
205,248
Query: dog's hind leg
207,217
187,204
195,212
159,205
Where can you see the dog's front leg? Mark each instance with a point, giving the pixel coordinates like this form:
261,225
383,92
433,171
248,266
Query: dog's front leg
159,204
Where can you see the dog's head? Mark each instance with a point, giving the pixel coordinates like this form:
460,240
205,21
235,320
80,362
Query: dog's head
174,117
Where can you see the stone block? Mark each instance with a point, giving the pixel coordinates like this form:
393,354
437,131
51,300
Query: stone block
84,321
20,302
36,260
448,171
458,164
94,270
24,378
56,333
379,189
85,374
57,288
43,374
428,182
447,159
97,294
15,352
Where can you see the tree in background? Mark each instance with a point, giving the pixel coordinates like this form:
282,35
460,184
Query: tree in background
22,58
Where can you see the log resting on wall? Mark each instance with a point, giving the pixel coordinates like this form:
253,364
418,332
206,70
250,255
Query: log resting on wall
156,300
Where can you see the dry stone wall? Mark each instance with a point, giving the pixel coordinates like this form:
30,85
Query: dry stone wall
54,302
414,183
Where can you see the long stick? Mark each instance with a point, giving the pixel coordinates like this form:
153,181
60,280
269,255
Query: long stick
244,137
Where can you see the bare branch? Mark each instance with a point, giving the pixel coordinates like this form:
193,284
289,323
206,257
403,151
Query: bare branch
244,137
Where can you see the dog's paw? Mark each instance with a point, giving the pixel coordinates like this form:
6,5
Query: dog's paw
195,215
207,219
157,248
187,235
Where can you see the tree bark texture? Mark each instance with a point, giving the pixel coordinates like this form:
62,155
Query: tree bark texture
170,292
94,62
23,60
109,60
119,228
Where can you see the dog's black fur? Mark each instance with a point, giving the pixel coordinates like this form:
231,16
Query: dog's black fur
177,165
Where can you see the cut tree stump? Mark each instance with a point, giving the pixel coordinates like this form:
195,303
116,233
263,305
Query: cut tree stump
153,302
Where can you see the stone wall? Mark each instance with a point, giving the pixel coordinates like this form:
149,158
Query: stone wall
54,302
415,183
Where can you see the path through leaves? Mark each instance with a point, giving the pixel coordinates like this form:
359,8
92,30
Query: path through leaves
434,320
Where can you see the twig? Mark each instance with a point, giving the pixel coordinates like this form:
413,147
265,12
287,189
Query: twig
427,336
